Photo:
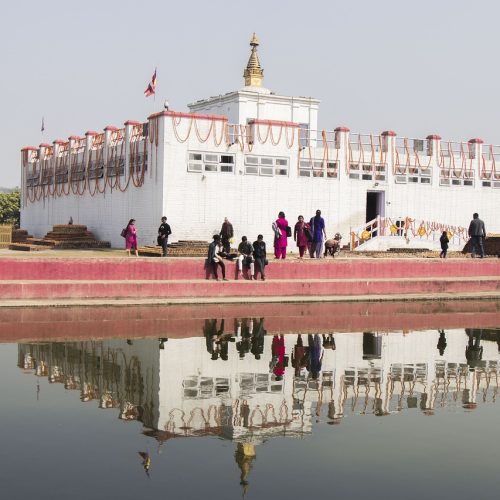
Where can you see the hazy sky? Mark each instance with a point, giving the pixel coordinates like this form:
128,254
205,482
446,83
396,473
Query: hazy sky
414,67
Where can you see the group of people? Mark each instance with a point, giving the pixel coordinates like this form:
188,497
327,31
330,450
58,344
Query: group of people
130,235
251,256
307,235
477,235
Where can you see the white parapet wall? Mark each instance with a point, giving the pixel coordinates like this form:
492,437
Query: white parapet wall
199,169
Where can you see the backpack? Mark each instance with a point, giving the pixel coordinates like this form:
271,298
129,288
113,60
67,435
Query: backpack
123,234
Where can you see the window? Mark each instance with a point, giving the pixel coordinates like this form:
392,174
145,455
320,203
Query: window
266,166
332,170
116,166
303,135
210,162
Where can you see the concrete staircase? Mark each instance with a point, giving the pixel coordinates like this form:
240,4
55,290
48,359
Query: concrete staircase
188,280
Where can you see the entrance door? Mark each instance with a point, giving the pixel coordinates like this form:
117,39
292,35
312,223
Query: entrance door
375,205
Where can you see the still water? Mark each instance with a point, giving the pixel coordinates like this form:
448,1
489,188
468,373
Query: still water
241,410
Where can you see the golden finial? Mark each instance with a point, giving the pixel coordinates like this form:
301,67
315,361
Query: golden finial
254,41
253,73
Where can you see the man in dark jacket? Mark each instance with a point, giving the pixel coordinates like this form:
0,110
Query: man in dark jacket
477,233
164,232
214,258
259,253
226,233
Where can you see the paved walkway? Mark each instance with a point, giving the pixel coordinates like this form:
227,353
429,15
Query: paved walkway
247,300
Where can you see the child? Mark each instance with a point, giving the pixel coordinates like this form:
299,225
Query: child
444,245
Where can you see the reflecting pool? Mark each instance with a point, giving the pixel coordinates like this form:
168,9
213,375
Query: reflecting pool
240,408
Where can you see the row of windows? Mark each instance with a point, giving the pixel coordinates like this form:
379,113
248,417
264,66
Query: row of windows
368,172
254,165
79,170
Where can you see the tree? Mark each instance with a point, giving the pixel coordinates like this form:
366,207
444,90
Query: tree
10,206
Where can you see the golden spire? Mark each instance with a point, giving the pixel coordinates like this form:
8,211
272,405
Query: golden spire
253,73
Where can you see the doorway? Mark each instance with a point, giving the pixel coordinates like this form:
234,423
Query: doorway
375,205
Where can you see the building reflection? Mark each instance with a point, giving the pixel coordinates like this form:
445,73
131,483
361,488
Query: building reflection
237,382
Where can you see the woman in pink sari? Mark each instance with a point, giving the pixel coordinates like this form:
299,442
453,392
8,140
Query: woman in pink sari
131,238
281,243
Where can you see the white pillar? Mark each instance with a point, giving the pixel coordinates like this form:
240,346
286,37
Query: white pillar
476,148
434,148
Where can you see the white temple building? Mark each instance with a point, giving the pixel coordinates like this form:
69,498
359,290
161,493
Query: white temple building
249,154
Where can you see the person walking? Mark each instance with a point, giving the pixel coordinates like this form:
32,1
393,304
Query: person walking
131,238
444,245
281,242
214,258
317,224
302,235
164,232
477,233
226,233
245,257
259,253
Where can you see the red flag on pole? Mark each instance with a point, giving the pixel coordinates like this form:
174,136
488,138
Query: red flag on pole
150,90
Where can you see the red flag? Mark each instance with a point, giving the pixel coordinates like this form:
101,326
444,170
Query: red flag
150,90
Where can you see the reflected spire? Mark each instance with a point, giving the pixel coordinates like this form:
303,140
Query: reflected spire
244,456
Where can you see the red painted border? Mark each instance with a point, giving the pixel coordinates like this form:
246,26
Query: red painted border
177,114
277,123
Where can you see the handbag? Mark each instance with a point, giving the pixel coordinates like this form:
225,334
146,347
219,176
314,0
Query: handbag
276,230
123,234
308,234
288,231
266,262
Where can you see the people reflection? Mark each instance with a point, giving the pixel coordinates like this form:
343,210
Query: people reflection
329,342
474,349
277,364
258,337
441,345
315,355
243,334
209,332
299,356
221,343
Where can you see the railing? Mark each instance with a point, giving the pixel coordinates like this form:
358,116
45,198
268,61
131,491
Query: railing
5,235
409,228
